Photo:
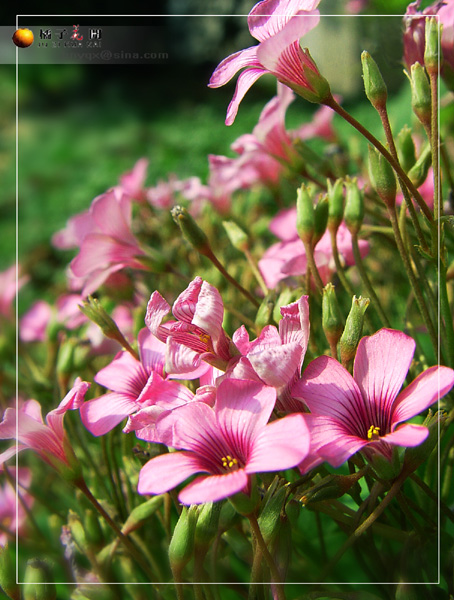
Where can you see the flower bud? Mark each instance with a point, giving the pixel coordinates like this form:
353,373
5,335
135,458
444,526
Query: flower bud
246,504
92,528
335,204
421,99
37,581
382,177
265,312
418,172
406,148
189,228
181,545
65,359
320,219
330,487
417,455
354,206
353,329
141,513
305,215
374,84
207,525
384,468
270,516
432,57
8,574
77,531
332,321
238,238
228,517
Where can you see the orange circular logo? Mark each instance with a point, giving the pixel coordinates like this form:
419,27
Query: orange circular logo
23,38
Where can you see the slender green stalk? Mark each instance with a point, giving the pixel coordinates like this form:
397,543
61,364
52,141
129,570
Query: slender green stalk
373,140
256,271
434,144
211,256
313,267
411,276
364,276
82,486
411,209
446,314
116,476
256,573
426,489
269,559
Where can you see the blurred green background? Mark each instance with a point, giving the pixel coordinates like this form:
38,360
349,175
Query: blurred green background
82,126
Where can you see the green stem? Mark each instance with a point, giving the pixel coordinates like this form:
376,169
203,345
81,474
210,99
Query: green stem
313,267
411,209
434,145
411,276
366,280
434,497
256,271
269,559
210,255
446,314
373,140
82,486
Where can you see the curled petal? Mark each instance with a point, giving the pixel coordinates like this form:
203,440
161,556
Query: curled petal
230,66
245,80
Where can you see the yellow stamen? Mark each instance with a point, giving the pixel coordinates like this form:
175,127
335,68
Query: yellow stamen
229,461
373,433
204,338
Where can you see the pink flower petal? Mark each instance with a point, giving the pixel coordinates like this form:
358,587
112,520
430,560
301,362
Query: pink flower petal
151,351
157,309
110,218
245,80
407,435
426,389
201,305
270,16
230,66
164,472
213,488
381,366
243,408
294,325
277,366
283,225
102,414
282,444
124,375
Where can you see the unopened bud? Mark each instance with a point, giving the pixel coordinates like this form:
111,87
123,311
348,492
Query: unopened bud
384,468
77,531
181,547
335,204
207,525
382,177
305,215
270,517
93,310
432,51
189,228
354,206
419,171
65,359
37,581
265,312
320,219
353,329
141,513
246,504
93,529
332,321
417,455
8,574
330,487
238,238
228,517
374,84
421,101
406,148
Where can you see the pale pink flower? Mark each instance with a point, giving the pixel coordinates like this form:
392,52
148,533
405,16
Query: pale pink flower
9,288
199,313
48,439
275,358
134,384
278,25
108,244
228,444
365,412
133,181
14,518
288,257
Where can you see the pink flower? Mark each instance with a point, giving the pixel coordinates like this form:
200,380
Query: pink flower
12,517
107,243
414,34
134,384
275,358
48,439
278,25
8,289
229,444
133,181
288,257
199,312
366,410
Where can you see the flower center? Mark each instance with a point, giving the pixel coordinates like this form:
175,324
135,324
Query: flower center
373,433
229,463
